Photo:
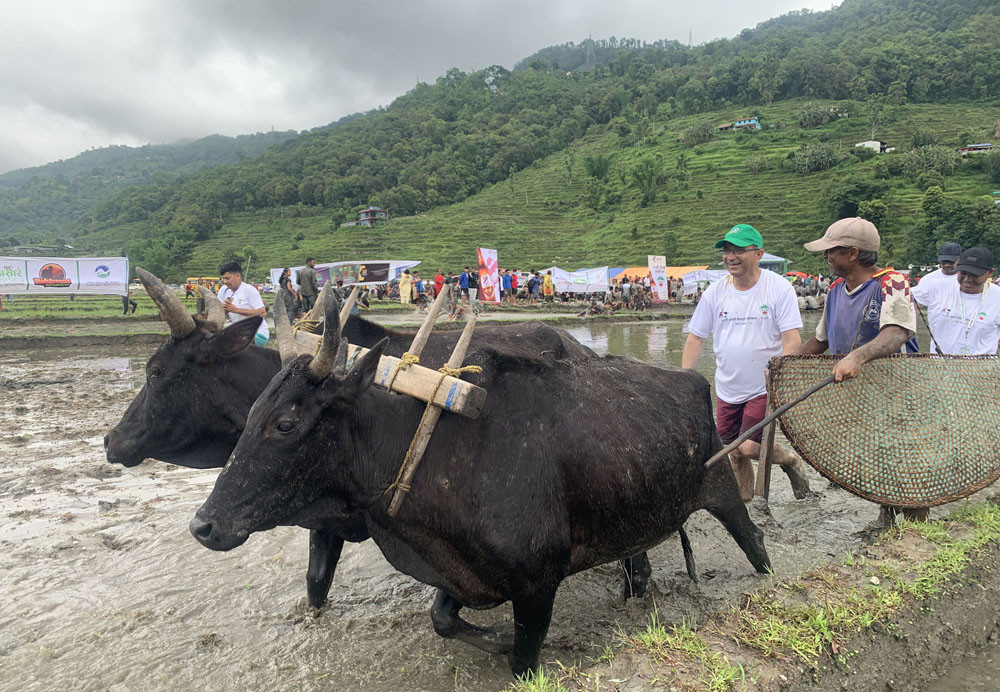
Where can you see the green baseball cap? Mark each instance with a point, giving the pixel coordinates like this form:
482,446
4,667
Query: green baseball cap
742,235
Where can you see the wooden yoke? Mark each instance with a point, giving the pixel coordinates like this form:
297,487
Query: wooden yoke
431,414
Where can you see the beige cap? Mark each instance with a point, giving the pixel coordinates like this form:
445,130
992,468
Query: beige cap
852,232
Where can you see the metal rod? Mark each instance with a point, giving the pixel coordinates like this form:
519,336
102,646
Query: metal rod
721,454
928,325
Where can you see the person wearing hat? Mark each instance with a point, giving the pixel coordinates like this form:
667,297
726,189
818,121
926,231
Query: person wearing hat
753,316
964,312
947,256
869,311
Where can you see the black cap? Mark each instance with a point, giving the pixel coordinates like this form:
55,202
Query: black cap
975,260
949,252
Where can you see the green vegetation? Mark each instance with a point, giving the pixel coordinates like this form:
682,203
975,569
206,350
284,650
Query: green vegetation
488,158
34,202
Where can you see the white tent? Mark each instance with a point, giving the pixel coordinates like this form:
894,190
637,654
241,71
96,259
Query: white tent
580,281
703,277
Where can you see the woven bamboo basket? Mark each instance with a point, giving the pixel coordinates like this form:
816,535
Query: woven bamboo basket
911,431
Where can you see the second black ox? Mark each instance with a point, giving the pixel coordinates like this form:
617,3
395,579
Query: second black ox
553,478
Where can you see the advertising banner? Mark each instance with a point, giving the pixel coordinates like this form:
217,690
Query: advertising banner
60,276
350,273
658,282
489,280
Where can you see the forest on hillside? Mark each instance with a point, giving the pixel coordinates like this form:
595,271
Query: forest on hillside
38,201
443,142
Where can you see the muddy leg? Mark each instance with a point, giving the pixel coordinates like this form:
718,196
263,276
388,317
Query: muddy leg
324,553
448,624
532,616
795,470
637,572
743,471
688,555
721,498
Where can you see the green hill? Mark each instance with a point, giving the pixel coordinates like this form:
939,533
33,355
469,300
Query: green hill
540,216
499,158
35,202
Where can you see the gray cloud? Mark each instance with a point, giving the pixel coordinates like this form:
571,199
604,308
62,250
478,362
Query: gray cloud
79,75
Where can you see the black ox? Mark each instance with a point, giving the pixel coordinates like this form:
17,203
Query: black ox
554,477
201,384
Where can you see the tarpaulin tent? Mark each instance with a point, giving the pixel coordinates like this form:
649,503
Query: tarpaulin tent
580,281
703,277
774,263
365,273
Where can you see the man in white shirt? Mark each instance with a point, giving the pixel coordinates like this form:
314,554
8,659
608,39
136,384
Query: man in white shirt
241,300
964,312
944,274
753,316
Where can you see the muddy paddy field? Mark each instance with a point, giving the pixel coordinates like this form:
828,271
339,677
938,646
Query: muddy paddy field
103,588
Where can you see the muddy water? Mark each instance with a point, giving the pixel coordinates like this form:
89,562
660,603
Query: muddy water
102,587
977,673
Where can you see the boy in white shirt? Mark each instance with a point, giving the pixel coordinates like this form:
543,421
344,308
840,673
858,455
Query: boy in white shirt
241,300
753,316
964,313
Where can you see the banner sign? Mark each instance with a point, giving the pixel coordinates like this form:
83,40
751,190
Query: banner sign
581,281
658,282
350,273
60,276
489,279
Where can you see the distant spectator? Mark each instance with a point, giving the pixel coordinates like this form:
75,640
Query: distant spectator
307,285
128,303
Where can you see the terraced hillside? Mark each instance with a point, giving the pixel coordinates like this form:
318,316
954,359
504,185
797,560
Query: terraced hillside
540,217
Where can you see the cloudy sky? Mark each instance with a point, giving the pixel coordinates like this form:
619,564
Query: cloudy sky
76,75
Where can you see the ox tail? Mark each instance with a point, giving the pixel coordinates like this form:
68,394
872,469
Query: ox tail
688,555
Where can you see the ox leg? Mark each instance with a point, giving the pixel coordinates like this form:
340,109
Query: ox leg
688,555
531,623
722,500
448,624
324,553
637,573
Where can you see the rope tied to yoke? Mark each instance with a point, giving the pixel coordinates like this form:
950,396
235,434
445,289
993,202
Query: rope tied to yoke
305,326
405,361
408,458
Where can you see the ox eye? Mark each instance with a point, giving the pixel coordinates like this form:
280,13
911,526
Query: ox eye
156,371
286,426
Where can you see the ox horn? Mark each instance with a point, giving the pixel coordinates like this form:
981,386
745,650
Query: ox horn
178,318
213,308
322,364
283,329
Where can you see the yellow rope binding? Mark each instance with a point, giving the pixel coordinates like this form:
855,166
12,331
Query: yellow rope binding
405,361
305,326
407,459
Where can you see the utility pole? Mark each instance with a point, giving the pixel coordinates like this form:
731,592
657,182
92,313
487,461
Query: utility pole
689,39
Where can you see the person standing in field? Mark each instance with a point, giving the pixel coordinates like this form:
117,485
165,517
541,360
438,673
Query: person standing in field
752,316
869,312
548,287
307,285
945,273
405,288
241,300
964,312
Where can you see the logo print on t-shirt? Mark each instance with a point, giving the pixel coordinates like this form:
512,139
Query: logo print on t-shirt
873,312
764,309
982,316
722,314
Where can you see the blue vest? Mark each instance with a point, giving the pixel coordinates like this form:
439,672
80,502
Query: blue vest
864,307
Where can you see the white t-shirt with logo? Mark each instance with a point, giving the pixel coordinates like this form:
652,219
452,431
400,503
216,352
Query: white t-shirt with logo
246,297
966,324
746,329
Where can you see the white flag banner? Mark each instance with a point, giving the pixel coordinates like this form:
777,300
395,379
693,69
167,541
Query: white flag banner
489,277
60,276
659,283
364,273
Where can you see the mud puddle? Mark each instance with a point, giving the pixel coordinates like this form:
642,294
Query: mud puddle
102,587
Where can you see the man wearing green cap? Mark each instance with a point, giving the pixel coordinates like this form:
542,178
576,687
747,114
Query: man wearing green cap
753,316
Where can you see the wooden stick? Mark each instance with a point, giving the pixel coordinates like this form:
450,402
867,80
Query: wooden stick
762,488
721,454
928,325
423,435
424,333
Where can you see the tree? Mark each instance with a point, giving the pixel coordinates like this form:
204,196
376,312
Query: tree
876,211
699,133
643,177
755,163
844,196
877,111
670,245
598,166
991,163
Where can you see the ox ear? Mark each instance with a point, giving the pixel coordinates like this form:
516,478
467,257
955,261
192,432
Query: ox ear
361,376
235,338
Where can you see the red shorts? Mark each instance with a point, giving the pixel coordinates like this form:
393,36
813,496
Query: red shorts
732,420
